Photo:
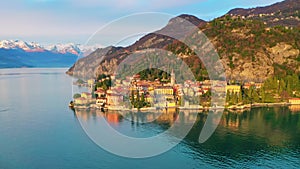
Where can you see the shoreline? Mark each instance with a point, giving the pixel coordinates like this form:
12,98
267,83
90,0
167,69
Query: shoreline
232,107
270,104
254,105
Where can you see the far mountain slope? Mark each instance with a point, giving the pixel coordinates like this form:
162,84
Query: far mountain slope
285,13
17,53
250,48
17,58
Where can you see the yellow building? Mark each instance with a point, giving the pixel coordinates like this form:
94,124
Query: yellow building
86,95
171,104
165,104
91,81
164,90
233,88
80,100
294,101
149,99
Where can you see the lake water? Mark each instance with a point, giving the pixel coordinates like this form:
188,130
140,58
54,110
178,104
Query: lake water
38,130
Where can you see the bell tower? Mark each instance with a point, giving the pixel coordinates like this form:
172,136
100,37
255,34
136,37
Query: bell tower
172,78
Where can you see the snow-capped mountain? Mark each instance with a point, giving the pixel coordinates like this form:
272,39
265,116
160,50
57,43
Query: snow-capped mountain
64,48
17,53
17,44
76,49
70,48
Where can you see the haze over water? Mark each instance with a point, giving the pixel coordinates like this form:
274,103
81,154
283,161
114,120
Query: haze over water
38,130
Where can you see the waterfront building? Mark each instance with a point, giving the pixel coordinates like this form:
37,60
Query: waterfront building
114,99
80,100
220,89
294,101
101,101
165,103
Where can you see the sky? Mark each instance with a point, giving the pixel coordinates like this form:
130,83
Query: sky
66,21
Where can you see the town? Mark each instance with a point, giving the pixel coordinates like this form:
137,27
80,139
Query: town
134,93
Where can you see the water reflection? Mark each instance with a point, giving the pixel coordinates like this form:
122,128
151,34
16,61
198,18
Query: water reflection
240,135
294,108
260,132
274,123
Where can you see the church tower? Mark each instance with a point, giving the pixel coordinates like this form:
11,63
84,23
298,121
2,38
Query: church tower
172,78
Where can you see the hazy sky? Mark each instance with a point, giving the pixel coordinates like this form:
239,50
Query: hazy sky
62,21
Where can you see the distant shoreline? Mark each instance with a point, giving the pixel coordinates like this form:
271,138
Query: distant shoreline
19,71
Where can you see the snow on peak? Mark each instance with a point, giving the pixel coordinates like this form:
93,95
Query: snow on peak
76,49
70,48
64,48
17,44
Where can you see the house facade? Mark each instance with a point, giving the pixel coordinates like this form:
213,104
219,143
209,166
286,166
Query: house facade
294,101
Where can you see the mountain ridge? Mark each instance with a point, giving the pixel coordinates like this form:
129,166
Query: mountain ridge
18,53
285,13
250,48
71,48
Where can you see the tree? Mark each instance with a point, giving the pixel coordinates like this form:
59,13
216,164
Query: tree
143,98
240,97
263,94
284,95
235,98
104,86
228,94
255,96
289,88
282,86
80,81
102,76
132,97
138,96
77,95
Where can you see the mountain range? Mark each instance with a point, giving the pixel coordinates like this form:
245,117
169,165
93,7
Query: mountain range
17,53
253,44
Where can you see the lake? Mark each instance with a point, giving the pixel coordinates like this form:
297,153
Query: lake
38,130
